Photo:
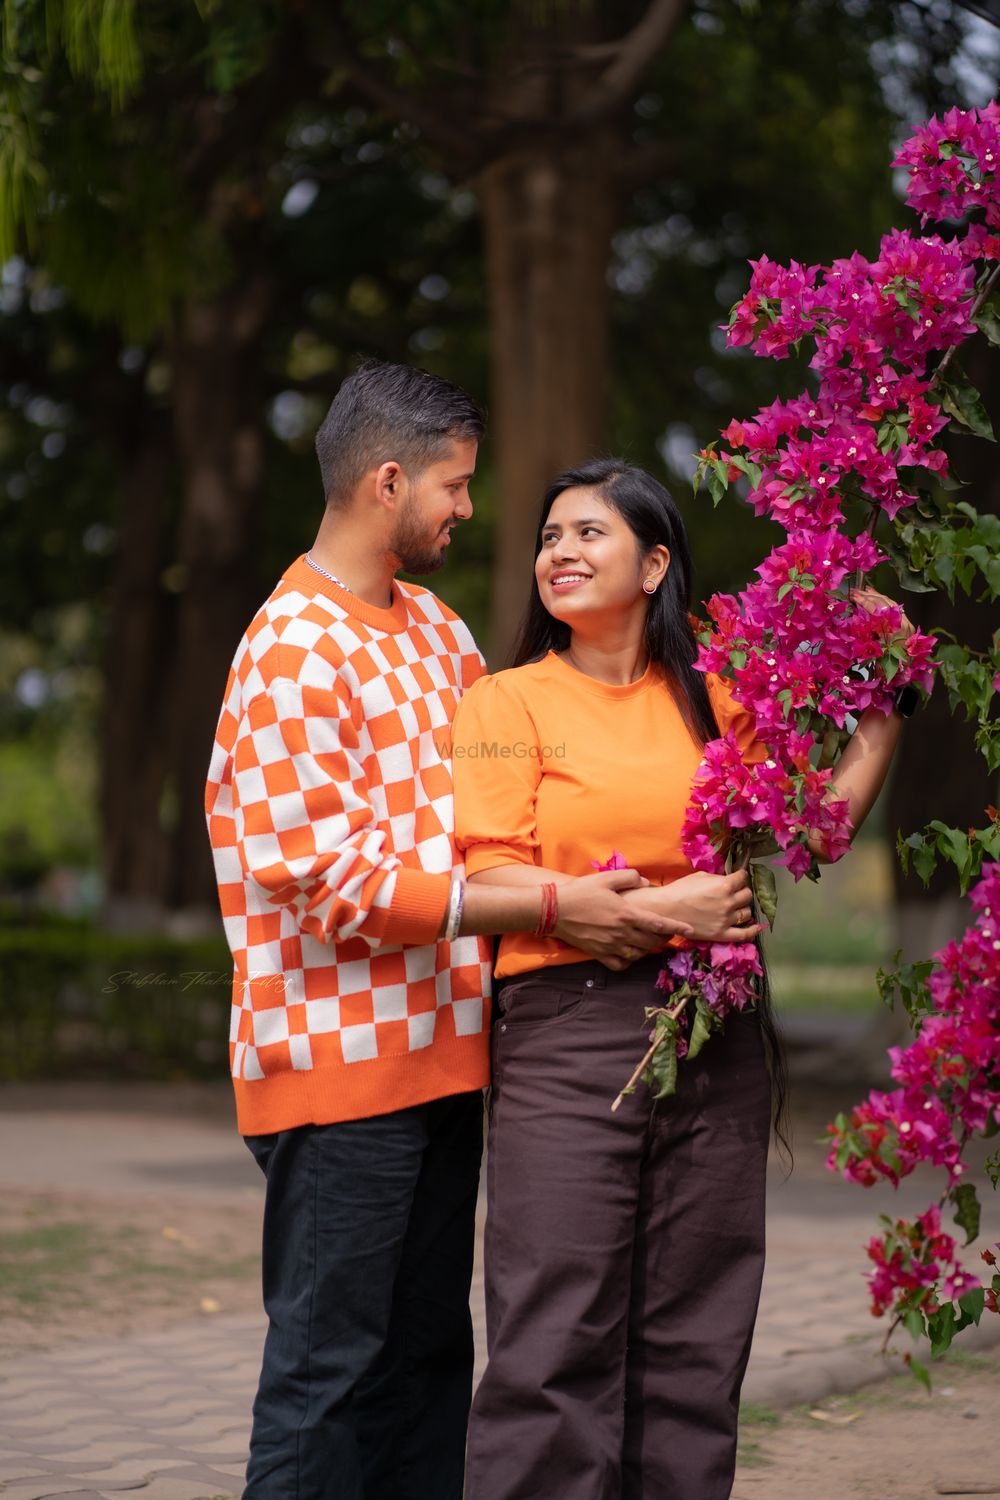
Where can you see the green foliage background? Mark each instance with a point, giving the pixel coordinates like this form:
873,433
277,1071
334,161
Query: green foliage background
776,123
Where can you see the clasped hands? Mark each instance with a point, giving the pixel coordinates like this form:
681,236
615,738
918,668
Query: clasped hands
706,908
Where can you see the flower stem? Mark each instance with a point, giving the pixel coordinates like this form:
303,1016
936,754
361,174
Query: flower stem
640,1069
870,529
673,1014
977,307
648,1057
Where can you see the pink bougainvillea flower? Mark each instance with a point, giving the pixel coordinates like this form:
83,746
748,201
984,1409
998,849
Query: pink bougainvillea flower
616,862
805,661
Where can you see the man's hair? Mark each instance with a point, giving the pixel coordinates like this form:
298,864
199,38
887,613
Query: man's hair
391,412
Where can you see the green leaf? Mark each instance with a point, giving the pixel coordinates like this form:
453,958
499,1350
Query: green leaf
923,855
967,1210
956,848
765,891
718,478
972,1304
987,320
942,1327
751,470
909,981
661,1075
913,1322
919,1371
701,1028
961,400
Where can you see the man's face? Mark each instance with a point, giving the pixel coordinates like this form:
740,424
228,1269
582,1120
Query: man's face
435,502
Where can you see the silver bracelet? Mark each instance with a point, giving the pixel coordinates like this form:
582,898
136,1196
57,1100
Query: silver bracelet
456,900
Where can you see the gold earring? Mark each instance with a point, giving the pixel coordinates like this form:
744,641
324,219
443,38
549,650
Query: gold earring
649,586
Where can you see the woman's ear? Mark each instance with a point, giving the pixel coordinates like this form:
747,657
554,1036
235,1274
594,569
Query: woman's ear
656,565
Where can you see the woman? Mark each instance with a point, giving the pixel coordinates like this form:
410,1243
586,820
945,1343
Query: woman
624,1251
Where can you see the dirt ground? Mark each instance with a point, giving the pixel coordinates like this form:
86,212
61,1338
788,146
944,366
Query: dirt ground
85,1267
891,1441
74,1268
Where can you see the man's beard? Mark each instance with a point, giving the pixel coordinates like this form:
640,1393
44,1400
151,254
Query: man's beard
418,552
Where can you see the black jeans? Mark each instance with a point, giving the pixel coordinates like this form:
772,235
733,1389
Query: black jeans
367,1261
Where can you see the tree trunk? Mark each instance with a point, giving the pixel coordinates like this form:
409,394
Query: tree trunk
218,423
136,658
548,214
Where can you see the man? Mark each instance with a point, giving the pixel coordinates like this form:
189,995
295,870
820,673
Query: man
359,1039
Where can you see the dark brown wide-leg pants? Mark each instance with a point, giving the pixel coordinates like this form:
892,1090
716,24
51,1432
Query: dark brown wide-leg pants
624,1251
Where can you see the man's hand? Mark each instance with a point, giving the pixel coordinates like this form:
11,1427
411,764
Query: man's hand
715,907
595,916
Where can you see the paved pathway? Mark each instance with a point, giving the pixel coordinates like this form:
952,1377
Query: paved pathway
167,1413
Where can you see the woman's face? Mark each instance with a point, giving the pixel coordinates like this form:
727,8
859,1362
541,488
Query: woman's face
589,561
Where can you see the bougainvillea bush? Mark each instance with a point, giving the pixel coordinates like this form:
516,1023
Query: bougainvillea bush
855,473
948,1094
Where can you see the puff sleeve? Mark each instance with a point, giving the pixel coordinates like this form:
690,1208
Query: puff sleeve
496,767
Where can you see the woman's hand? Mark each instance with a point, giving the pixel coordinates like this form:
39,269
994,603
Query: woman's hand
716,907
871,600
595,916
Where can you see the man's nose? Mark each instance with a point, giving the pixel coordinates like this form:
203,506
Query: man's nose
463,510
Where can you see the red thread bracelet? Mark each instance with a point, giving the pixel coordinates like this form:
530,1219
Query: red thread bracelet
549,914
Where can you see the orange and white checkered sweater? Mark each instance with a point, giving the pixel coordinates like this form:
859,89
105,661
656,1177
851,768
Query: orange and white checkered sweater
329,809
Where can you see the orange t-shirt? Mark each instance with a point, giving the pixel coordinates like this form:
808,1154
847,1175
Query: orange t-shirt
553,768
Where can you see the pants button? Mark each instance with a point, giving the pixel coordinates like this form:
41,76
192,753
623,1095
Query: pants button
503,1026
590,984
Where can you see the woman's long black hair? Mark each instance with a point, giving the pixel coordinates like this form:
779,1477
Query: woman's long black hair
648,509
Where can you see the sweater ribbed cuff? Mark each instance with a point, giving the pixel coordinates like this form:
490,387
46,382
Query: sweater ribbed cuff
416,911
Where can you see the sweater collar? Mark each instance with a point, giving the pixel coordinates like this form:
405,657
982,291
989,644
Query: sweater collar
393,619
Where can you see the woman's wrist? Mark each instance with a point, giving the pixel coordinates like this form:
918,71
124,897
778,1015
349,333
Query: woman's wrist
548,914
661,898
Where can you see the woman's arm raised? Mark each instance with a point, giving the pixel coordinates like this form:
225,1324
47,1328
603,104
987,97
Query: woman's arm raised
860,773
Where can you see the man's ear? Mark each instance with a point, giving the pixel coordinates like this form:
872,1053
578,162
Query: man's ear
388,483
